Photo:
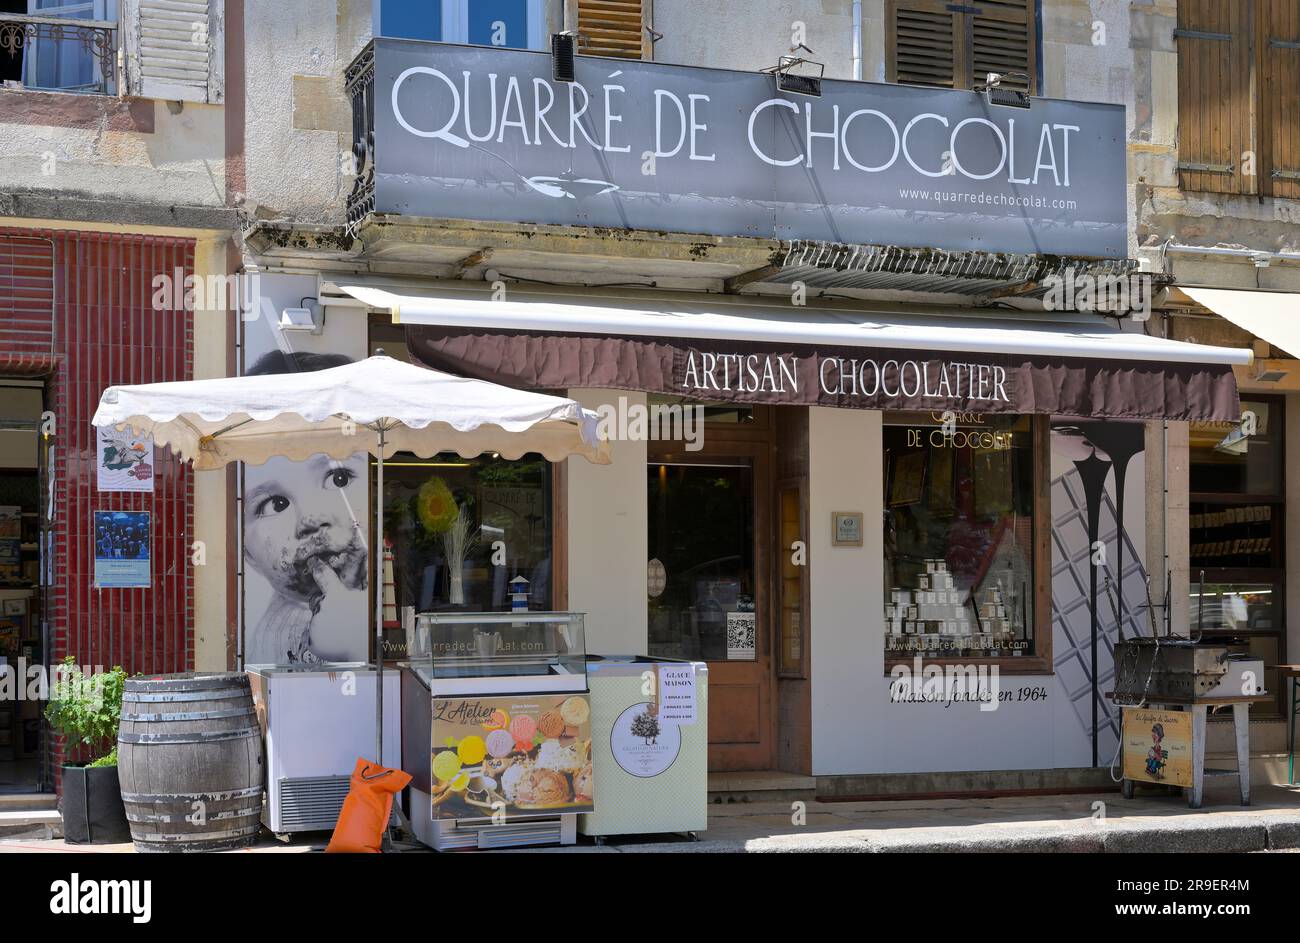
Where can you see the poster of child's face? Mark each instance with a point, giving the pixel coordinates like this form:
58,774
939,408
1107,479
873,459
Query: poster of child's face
305,552
305,537
298,526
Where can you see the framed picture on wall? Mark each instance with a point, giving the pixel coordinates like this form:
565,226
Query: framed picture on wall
908,482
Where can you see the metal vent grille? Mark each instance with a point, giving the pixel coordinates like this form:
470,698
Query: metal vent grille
544,831
536,833
311,803
829,265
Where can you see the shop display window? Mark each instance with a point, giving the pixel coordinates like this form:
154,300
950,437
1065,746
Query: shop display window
959,535
1234,607
462,530
1236,520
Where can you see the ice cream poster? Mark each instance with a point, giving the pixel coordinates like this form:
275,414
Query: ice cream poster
124,460
1158,746
511,756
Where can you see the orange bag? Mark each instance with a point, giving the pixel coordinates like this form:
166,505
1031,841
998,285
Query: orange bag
366,810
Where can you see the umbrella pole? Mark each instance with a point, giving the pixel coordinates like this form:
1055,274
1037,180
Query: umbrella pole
378,551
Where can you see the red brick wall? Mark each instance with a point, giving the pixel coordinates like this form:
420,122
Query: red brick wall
77,308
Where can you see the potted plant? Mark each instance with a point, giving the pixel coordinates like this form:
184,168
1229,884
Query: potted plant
85,710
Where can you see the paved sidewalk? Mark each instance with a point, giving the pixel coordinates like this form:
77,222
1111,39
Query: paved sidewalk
1103,822
1074,823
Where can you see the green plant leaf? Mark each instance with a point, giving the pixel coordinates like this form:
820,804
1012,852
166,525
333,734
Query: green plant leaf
86,708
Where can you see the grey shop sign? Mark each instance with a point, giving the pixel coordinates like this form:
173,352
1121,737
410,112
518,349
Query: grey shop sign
479,133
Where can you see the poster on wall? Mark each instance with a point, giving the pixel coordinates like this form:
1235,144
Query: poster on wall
1158,746
122,550
11,544
305,524
520,754
306,561
123,460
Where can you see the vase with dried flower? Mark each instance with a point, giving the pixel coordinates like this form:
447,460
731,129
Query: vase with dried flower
458,541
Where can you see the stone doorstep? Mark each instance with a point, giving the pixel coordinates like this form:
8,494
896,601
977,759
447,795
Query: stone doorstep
45,823
761,786
964,784
28,801
1266,768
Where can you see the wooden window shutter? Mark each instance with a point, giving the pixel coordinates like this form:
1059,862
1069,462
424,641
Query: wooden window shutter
174,49
1003,38
923,44
614,28
1279,139
956,45
1216,102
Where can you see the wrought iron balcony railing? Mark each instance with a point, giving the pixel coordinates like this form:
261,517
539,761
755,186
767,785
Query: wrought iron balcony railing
359,80
61,54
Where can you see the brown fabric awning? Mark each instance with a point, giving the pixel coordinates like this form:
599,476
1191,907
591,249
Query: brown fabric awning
766,350
828,375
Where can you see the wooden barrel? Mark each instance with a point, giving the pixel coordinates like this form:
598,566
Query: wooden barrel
189,758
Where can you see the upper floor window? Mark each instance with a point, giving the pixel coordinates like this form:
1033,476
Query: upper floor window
511,24
62,45
618,28
171,50
956,45
1238,96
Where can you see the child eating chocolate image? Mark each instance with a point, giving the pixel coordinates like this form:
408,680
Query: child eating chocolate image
304,536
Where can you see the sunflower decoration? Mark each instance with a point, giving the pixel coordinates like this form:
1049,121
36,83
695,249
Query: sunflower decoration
435,506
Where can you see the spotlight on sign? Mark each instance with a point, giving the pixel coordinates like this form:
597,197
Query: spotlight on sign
564,49
996,94
801,82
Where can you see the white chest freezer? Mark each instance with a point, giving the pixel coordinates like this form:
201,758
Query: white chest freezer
650,745
317,721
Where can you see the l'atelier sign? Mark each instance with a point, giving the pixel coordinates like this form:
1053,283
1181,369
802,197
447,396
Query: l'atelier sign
478,133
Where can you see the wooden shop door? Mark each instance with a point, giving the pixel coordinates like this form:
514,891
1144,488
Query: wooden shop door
709,523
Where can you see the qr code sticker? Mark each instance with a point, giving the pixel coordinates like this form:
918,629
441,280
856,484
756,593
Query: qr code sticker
741,633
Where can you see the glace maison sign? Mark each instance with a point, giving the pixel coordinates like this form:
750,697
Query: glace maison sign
479,133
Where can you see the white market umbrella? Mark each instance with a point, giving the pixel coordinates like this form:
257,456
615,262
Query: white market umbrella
296,415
